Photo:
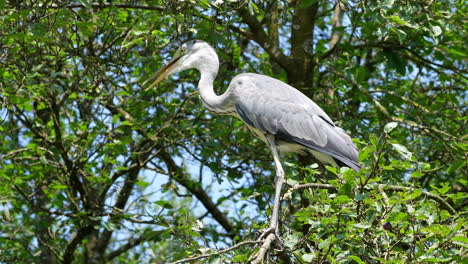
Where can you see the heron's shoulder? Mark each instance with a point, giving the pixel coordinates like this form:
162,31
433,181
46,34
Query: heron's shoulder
257,77
261,83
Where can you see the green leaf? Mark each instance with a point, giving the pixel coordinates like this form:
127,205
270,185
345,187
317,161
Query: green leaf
142,184
404,152
395,61
362,74
397,20
306,3
366,152
324,244
204,3
363,226
308,257
436,30
164,204
342,199
390,126
59,186
291,240
254,7
239,258
400,21
461,240
86,3
373,139
387,3
357,259
345,190
455,166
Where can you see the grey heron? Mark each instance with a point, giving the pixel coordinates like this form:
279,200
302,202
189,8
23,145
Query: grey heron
280,115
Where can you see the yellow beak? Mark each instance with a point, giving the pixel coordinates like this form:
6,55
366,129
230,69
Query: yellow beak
162,73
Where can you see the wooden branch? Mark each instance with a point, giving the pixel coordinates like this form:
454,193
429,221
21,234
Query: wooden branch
109,5
258,35
406,99
427,129
219,252
126,190
68,255
194,187
302,45
13,153
429,62
125,247
337,19
260,256
409,122
394,188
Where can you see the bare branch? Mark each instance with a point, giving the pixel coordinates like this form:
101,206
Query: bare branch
258,35
109,5
125,247
13,153
219,252
264,249
75,241
194,188
338,12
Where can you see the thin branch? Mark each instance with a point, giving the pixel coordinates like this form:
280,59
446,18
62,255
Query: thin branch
219,252
260,256
110,5
258,35
406,99
409,122
125,247
194,187
448,67
384,110
338,12
13,153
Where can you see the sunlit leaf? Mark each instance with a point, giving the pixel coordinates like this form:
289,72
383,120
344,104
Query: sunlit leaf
404,152
390,126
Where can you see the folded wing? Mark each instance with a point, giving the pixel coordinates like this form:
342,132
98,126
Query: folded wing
277,108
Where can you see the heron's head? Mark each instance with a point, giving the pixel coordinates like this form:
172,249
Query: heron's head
192,54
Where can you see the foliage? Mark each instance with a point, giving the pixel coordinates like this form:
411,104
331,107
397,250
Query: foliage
94,169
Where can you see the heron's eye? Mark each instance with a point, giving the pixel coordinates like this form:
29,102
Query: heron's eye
182,51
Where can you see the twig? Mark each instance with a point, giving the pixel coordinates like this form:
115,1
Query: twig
13,153
222,251
384,110
394,188
110,5
125,247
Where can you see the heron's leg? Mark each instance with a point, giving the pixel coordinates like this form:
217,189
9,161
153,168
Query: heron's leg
278,185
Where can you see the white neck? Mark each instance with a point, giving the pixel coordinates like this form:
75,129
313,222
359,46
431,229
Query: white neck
209,69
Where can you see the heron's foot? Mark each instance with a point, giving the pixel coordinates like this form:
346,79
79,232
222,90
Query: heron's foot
270,230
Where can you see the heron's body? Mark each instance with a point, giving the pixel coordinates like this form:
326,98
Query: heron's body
270,106
276,112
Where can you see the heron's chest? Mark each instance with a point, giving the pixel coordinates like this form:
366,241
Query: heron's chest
224,110
283,146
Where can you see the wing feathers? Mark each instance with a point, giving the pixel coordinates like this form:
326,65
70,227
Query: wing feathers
279,109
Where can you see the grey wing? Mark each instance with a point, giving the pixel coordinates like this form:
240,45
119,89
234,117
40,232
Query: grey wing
274,107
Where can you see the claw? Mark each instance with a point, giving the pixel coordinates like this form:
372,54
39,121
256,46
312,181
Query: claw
268,231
